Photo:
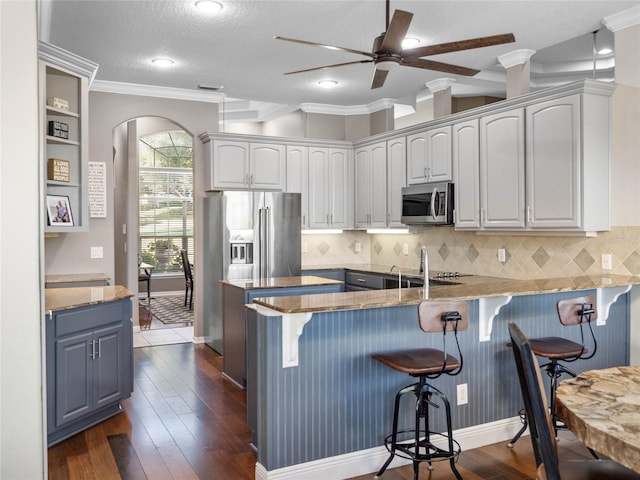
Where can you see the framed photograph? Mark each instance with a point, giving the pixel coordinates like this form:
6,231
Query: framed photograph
59,210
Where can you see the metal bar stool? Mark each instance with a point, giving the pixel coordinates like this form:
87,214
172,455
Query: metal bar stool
427,363
571,311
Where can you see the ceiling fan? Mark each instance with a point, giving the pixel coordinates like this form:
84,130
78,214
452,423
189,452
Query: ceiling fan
387,52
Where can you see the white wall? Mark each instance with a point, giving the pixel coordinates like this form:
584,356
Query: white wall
22,445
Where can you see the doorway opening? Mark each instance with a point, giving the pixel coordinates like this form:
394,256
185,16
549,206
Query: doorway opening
166,228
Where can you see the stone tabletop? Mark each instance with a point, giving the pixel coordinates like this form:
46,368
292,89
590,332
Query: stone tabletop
469,288
56,299
602,409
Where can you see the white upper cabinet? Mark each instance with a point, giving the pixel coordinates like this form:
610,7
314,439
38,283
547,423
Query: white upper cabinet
396,179
330,188
502,170
466,174
298,178
371,186
245,165
429,156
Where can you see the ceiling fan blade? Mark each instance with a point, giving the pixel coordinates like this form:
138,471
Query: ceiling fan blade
379,76
439,66
329,66
460,45
330,47
396,32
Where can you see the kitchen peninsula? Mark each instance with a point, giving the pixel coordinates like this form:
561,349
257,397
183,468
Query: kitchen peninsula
319,403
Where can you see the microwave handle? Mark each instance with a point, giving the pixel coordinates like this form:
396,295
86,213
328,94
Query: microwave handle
434,199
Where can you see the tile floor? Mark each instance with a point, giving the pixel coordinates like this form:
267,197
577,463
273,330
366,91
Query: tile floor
162,336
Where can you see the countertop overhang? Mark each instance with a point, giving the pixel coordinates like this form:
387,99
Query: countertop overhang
469,288
280,282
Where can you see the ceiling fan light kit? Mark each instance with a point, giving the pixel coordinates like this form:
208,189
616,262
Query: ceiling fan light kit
388,51
208,6
162,62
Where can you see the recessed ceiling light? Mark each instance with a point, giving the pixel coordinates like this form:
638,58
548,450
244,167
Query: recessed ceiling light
162,62
604,51
208,6
410,43
327,83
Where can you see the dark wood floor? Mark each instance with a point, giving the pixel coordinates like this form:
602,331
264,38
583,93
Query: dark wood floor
185,421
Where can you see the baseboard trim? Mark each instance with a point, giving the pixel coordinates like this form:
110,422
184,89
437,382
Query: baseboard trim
369,461
198,340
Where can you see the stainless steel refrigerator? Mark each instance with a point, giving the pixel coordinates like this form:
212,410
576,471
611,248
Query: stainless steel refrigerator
247,235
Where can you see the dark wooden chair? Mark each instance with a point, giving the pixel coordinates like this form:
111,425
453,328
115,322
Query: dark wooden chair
543,439
427,363
188,278
571,311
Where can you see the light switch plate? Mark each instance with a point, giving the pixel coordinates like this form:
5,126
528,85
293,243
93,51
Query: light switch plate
406,249
358,247
607,263
502,255
96,252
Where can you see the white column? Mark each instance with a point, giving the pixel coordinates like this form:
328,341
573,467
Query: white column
441,89
517,64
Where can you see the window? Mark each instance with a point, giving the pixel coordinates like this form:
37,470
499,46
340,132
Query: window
165,199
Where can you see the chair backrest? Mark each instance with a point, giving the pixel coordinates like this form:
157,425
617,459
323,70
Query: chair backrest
579,311
443,317
535,404
186,266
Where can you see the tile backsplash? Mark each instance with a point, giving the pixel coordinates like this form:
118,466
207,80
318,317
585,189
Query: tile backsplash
467,252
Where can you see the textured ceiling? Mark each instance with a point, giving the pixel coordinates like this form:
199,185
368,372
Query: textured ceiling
236,49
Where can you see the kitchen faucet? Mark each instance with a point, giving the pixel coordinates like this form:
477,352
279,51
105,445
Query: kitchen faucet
399,274
424,268
423,258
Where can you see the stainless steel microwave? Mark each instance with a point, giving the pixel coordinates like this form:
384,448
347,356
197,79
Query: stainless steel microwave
428,204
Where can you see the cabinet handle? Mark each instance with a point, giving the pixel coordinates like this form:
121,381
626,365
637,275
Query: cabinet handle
99,348
528,214
93,350
429,173
331,218
251,179
303,219
482,215
246,179
426,175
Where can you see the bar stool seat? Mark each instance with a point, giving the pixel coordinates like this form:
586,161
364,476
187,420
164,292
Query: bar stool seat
426,363
556,347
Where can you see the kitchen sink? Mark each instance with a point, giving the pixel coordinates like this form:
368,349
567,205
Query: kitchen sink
413,282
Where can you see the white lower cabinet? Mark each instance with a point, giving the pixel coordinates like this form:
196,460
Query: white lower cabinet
330,188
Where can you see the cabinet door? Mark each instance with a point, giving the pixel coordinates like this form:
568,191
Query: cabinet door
396,179
466,174
341,188
378,197
298,178
502,170
362,161
439,154
73,374
230,164
108,365
417,158
319,187
266,166
553,164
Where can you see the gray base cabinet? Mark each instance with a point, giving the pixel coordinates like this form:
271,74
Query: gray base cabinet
89,355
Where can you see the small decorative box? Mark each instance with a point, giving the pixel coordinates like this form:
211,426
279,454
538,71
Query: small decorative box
58,170
56,102
58,129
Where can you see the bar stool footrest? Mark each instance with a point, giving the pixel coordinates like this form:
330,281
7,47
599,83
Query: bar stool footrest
406,448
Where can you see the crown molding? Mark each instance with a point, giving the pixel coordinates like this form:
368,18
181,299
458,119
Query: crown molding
65,59
155,91
376,106
517,57
440,84
625,19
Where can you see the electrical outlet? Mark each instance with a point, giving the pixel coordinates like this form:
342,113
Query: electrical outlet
502,255
606,261
96,252
463,397
304,247
358,247
405,249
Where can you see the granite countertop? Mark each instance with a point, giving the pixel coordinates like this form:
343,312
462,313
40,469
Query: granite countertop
66,298
280,282
469,288
76,277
